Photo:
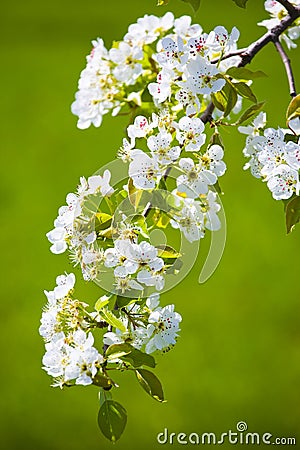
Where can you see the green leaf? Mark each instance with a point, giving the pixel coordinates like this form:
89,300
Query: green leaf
162,220
128,353
102,301
110,318
134,194
107,234
241,73
194,4
115,351
291,137
104,395
166,251
123,301
241,3
112,419
225,99
292,213
175,267
102,221
150,383
137,358
293,109
140,221
216,139
245,91
250,112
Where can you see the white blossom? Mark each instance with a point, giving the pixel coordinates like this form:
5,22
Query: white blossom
190,133
148,29
161,90
174,54
202,77
161,149
212,160
144,171
283,182
163,328
195,180
126,58
190,220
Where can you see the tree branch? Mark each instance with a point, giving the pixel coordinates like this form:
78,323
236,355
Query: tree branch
207,115
270,36
287,5
248,53
287,64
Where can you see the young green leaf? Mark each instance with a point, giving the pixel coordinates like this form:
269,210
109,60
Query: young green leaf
110,318
166,251
123,301
102,221
241,73
137,358
194,4
250,112
134,194
292,213
102,301
245,91
241,3
150,383
112,419
225,99
216,139
116,351
140,221
128,353
293,109
162,220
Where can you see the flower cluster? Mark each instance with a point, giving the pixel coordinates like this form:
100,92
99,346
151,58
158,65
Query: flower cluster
172,78
158,332
273,157
70,356
66,326
277,12
167,140
113,78
172,58
187,60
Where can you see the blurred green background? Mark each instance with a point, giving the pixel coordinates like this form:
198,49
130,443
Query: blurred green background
238,357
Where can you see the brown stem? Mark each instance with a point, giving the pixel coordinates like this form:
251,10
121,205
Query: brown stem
248,53
288,68
270,36
207,115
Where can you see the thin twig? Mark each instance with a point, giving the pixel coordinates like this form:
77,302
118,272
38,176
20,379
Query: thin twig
269,36
248,53
287,64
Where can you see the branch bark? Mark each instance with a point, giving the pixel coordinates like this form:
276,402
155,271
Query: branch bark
288,68
270,36
248,53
